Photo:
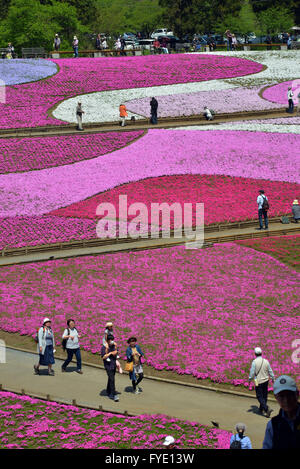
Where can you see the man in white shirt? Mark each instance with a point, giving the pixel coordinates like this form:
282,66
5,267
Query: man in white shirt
70,336
261,372
207,114
290,100
262,212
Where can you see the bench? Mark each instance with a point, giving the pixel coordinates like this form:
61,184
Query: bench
33,52
95,52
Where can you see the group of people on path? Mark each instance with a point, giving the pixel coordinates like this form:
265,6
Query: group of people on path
263,207
153,112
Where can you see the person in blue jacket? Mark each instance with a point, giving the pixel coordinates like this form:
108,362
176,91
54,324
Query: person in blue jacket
239,440
134,354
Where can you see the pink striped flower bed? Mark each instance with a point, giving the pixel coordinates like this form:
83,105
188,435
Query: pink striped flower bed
26,154
85,75
28,423
198,312
225,198
278,93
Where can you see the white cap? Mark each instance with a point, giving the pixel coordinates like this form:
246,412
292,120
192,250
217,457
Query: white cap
257,351
169,440
284,383
46,320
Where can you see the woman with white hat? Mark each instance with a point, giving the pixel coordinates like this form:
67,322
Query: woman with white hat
75,46
45,347
296,210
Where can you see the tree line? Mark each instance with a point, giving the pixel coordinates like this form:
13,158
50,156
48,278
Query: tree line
33,23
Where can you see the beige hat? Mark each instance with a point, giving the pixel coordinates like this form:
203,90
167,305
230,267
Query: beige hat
295,202
109,324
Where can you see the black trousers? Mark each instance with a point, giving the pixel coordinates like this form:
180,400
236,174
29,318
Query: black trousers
262,395
135,383
110,388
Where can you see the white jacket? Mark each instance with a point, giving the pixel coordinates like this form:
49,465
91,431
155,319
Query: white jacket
42,340
261,370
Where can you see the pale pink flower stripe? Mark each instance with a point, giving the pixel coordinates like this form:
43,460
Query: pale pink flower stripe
222,203
27,105
31,423
160,152
35,231
187,104
198,312
25,154
278,93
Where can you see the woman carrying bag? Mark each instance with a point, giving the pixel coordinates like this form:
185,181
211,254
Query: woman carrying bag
134,365
45,347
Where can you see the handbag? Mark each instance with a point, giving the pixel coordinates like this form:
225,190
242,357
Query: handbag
129,366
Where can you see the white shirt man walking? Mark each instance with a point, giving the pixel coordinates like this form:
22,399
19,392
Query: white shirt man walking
262,210
261,372
79,113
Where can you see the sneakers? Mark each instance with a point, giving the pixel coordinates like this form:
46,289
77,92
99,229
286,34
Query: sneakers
79,372
136,391
116,399
268,413
36,370
51,373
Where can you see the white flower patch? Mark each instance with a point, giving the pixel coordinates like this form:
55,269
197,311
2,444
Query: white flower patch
104,106
247,125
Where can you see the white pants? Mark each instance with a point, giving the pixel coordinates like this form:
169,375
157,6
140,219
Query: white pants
122,120
79,121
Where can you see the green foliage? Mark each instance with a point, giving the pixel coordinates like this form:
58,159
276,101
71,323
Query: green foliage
275,20
245,22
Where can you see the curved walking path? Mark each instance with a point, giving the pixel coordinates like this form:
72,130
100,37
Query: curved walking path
158,397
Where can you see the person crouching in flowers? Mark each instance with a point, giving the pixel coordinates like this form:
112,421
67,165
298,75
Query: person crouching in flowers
134,365
110,332
45,347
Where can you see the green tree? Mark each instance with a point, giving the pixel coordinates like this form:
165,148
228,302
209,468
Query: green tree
245,22
276,20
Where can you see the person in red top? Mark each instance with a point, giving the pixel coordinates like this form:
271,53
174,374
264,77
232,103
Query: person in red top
156,45
123,114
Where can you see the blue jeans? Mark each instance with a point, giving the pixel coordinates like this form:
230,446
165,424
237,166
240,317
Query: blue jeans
71,352
263,213
229,45
291,105
75,51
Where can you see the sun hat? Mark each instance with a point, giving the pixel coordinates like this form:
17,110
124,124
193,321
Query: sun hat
169,440
257,351
240,427
108,324
295,202
46,320
284,383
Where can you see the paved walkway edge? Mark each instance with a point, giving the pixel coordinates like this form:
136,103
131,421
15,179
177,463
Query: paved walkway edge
155,378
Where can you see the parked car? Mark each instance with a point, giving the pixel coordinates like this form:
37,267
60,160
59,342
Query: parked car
161,32
128,35
131,44
146,43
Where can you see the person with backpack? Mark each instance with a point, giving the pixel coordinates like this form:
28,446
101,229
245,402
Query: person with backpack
263,207
283,430
261,372
239,440
70,344
45,347
110,352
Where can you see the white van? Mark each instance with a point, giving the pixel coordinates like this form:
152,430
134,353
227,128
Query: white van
161,32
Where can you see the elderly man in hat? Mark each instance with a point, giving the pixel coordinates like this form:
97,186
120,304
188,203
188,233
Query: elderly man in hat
261,372
296,210
45,347
290,95
283,430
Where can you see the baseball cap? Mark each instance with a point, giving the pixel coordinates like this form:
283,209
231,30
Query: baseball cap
169,440
284,383
257,351
46,320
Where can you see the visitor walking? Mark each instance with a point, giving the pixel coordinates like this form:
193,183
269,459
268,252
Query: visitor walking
45,347
109,331
296,210
290,100
261,372
239,440
153,110
56,43
134,365
263,207
123,114
75,46
109,355
98,42
71,345
229,39
79,113
207,114
283,430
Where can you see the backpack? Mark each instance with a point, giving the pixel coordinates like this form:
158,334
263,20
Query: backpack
285,220
236,444
64,342
265,204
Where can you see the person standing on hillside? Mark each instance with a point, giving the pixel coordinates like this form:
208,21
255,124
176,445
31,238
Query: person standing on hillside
290,100
79,113
261,372
263,207
153,107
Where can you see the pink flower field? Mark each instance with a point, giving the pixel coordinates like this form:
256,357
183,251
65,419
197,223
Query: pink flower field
26,154
85,75
28,423
278,93
225,198
197,312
